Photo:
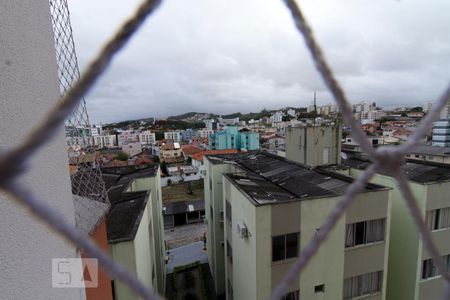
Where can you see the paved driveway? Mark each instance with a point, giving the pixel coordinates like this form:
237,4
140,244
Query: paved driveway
186,254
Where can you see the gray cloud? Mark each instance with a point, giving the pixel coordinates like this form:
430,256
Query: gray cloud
228,56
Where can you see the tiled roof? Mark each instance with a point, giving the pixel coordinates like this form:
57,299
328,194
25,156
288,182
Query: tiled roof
190,149
199,156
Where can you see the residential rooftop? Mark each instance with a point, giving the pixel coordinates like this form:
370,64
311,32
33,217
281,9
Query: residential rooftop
127,208
422,172
125,216
183,207
269,179
430,150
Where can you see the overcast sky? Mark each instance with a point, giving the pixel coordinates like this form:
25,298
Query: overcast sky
224,56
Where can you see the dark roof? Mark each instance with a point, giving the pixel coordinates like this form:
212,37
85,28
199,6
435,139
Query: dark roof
415,170
220,158
426,172
136,171
127,208
430,150
268,178
125,216
180,207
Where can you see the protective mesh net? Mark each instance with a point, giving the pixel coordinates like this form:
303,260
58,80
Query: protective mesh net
86,178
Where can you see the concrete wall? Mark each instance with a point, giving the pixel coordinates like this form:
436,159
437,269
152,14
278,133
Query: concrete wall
254,275
327,267
143,251
313,146
404,242
215,229
156,224
124,254
28,88
104,290
138,257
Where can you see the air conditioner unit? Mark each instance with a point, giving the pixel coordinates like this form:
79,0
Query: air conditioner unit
242,230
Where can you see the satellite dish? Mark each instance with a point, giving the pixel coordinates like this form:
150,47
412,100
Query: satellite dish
344,155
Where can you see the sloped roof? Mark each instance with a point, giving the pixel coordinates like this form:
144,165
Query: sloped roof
269,179
191,149
199,156
127,208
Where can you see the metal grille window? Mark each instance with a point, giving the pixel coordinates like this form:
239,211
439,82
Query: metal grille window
285,246
366,232
362,285
438,218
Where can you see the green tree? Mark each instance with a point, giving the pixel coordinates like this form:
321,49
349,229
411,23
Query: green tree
163,166
122,156
159,135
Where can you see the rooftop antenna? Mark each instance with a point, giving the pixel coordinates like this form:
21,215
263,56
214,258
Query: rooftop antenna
315,109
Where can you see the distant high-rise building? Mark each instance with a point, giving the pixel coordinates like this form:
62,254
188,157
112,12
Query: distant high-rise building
441,133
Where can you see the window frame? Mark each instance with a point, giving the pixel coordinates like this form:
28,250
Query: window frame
364,233
284,249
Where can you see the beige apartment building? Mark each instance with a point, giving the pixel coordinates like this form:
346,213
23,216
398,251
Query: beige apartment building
412,273
262,210
135,226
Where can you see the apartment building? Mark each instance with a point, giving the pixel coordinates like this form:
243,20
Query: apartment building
175,136
147,138
105,141
135,225
441,133
412,274
233,138
261,210
430,153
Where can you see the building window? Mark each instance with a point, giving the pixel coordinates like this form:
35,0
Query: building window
364,232
229,252
284,246
429,268
361,285
228,211
438,218
319,288
211,213
294,295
